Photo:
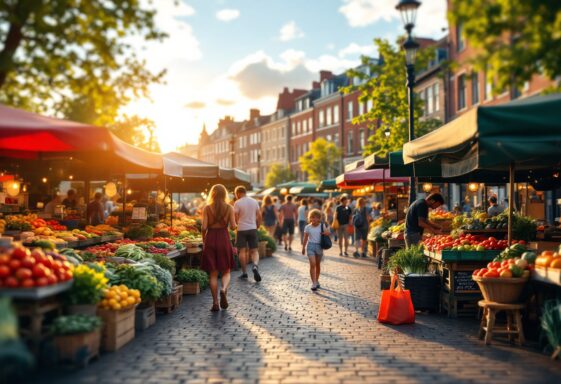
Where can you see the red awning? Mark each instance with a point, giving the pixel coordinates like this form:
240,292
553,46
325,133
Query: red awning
361,177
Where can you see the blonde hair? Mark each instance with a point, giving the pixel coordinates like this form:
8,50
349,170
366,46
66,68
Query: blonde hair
218,199
314,213
361,201
267,200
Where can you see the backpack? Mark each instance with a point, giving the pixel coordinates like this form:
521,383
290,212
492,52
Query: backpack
358,220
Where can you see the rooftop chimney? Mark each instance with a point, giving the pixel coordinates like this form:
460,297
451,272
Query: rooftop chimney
315,85
286,98
325,75
254,113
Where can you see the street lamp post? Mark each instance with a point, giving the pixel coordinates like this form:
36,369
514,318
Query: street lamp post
408,10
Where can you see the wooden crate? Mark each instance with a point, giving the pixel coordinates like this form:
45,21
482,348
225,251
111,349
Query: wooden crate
145,317
79,348
118,328
178,294
191,288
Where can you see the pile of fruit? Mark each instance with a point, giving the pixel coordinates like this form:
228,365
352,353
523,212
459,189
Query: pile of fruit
22,268
514,267
120,297
102,230
549,259
464,242
441,215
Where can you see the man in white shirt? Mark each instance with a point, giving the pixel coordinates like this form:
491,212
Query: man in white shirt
248,218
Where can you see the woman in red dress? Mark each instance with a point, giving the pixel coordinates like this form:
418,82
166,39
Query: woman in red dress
218,254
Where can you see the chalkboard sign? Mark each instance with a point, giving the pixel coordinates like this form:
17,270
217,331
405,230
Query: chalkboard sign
139,213
464,283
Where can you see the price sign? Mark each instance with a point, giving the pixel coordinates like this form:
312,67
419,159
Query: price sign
463,283
139,213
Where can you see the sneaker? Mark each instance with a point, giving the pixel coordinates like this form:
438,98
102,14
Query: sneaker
314,287
256,274
356,254
243,276
346,254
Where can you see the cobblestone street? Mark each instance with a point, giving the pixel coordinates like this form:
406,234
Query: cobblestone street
280,331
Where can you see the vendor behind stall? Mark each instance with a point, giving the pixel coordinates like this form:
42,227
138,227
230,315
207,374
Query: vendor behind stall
494,208
51,205
71,201
417,219
94,211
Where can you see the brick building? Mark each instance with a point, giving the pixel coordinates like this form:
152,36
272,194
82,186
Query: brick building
431,84
248,146
219,147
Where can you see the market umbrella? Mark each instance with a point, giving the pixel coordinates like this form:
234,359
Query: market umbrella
522,134
361,176
178,165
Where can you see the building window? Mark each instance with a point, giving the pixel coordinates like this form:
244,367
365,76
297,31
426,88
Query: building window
350,146
474,88
336,138
298,128
429,101
461,92
321,118
362,138
360,108
328,116
350,110
310,123
369,105
460,37
436,95
335,114
304,126
488,88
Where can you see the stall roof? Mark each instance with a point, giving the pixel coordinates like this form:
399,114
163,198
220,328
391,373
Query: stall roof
524,132
327,184
361,176
234,174
303,188
178,165
373,161
354,165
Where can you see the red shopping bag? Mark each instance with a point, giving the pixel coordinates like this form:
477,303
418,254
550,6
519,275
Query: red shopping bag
396,306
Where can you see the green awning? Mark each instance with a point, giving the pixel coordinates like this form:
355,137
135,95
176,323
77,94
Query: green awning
525,133
373,162
327,184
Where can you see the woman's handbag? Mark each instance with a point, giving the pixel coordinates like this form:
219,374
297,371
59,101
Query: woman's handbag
396,306
325,241
335,224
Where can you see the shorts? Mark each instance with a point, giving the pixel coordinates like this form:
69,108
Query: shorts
288,227
314,249
361,233
342,231
247,239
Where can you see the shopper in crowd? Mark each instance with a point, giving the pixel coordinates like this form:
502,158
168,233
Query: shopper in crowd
494,208
329,213
302,218
417,218
71,201
95,211
311,244
376,211
218,254
50,207
343,216
248,219
361,221
270,215
288,216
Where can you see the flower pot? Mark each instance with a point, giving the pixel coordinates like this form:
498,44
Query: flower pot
425,290
78,348
191,288
262,249
82,309
269,252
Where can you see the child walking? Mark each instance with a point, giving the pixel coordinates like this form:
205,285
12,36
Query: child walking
312,244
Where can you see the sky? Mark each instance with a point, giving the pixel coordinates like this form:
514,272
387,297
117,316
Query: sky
224,57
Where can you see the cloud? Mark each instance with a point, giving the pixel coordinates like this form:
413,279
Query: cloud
290,31
195,105
431,16
353,49
225,102
227,14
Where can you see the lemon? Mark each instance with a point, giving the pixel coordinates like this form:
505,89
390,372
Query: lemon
116,307
131,300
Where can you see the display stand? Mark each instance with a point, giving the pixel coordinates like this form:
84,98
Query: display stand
35,312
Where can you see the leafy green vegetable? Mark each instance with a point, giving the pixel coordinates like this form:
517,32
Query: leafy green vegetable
138,232
164,262
551,323
138,277
130,251
409,260
68,325
193,276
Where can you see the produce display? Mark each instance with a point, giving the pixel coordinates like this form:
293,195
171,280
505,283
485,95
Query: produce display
136,277
395,232
21,267
549,259
441,215
514,267
463,243
88,286
69,325
103,230
120,297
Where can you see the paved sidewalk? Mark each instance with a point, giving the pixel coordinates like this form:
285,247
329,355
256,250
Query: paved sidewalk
279,331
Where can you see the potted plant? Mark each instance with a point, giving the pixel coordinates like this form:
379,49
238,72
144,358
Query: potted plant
87,290
193,280
267,245
77,337
411,266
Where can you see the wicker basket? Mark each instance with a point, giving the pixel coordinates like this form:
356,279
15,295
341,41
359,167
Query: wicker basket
501,290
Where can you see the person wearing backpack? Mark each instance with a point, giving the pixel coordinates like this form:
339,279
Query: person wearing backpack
361,221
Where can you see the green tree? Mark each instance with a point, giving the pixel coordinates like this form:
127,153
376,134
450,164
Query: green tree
386,88
514,39
137,131
278,174
74,57
322,161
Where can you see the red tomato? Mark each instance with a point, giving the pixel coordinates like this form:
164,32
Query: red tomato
28,283
11,282
15,264
41,282
476,272
522,242
20,253
52,279
47,261
504,263
28,262
39,270
482,271
492,273
4,271
24,273
4,259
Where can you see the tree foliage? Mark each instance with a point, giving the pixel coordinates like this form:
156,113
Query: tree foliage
386,88
322,161
74,57
137,131
514,39
278,174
